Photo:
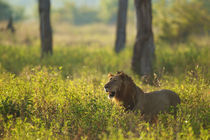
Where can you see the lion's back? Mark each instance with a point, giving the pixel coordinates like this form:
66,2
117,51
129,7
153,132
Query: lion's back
160,101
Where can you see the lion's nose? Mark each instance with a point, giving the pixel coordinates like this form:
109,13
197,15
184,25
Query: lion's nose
106,87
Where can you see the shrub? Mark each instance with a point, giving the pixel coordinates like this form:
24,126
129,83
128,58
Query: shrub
177,20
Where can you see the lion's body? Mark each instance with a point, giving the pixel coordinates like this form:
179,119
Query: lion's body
133,98
157,101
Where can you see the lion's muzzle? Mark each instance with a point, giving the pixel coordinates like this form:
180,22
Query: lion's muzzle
108,89
111,94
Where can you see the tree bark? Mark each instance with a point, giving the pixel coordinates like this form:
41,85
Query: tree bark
10,25
121,26
143,53
45,27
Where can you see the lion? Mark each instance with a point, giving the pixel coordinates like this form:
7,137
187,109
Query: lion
122,90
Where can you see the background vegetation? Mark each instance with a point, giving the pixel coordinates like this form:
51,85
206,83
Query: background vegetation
62,96
7,11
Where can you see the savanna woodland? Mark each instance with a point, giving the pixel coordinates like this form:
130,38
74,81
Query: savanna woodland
55,56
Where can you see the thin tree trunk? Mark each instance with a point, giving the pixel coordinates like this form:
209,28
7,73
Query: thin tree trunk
45,27
10,25
121,26
143,54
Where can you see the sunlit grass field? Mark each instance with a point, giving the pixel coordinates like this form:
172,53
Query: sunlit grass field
62,96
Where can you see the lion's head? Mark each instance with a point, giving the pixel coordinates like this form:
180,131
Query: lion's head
122,89
116,84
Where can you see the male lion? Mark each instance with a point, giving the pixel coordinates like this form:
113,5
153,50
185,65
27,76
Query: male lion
122,89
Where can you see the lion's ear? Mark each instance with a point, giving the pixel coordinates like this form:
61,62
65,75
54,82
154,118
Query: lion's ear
110,75
120,72
122,75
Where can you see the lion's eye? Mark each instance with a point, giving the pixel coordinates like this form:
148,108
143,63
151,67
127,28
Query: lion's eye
114,79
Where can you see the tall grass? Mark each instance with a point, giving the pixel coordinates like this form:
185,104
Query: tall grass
62,96
175,60
39,103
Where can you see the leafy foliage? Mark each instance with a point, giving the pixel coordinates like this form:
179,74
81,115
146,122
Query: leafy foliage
79,15
64,98
76,15
7,11
109,10
177,20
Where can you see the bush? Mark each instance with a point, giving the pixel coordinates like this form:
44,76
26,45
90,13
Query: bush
7,11
41,104
62,96
76,15
177,20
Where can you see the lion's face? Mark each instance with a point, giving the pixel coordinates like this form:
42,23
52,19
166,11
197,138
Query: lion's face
114,85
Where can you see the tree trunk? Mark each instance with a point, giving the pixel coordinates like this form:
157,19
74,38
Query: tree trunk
143,53
10,25
121,26
45,27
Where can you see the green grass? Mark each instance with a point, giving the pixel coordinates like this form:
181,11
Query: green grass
74,60
62,96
